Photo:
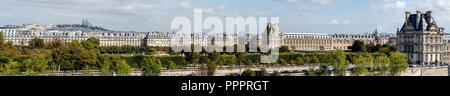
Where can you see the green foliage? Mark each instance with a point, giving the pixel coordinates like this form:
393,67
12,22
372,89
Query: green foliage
80,57
122,68
300,61
361,66
382,64
248,72
2,41
358,46
105,65
86,71
61,57
283,62
151,67
91,43
10,69
88,58
315,60
240,57
149,50
227,60
31,72
398,62
3,59
264,72
284,49
37,64
410,61
211,68
193,57
85,54
56,43
323,71
214,56
276,73
172,65
339,62
76,52
36,43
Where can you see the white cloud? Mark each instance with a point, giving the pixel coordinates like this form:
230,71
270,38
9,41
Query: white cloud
323,2
334,22
400,5
289,1
313,5
337,22
308,8
222,7
443,4
389,6
185,4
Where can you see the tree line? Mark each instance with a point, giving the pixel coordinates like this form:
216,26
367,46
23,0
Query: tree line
40,58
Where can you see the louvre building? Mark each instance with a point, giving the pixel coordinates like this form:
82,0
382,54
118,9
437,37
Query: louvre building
22,34
423,40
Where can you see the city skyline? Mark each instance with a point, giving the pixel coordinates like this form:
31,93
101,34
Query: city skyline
296,16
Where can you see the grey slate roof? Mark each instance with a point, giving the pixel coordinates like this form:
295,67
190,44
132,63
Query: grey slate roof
419,22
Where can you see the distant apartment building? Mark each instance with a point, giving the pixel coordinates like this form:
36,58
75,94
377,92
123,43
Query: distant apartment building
9,31
21,35
343,41
325,42
307,41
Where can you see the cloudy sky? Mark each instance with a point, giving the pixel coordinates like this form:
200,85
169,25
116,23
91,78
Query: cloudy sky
305,16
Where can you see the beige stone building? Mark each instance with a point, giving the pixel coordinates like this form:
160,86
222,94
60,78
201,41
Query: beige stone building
422,39
307,41
343,41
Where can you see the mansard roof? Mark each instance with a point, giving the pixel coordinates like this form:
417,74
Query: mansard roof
419,22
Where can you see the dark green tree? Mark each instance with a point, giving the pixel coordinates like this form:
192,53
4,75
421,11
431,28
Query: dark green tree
55,43
2,41
61,58
211,68
382,63
11,68
36,43
398,63
284,49
105,65
37,64
358,46
339,62
152,67
122,68
248,72
264,72
276,73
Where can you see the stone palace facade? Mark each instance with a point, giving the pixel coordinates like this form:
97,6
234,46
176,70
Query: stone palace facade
422,39
22,34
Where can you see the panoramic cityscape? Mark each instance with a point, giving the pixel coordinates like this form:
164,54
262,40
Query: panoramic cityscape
418,47
84,50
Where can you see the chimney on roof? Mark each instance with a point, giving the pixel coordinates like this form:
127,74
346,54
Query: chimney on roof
429,16
407,15
419,16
